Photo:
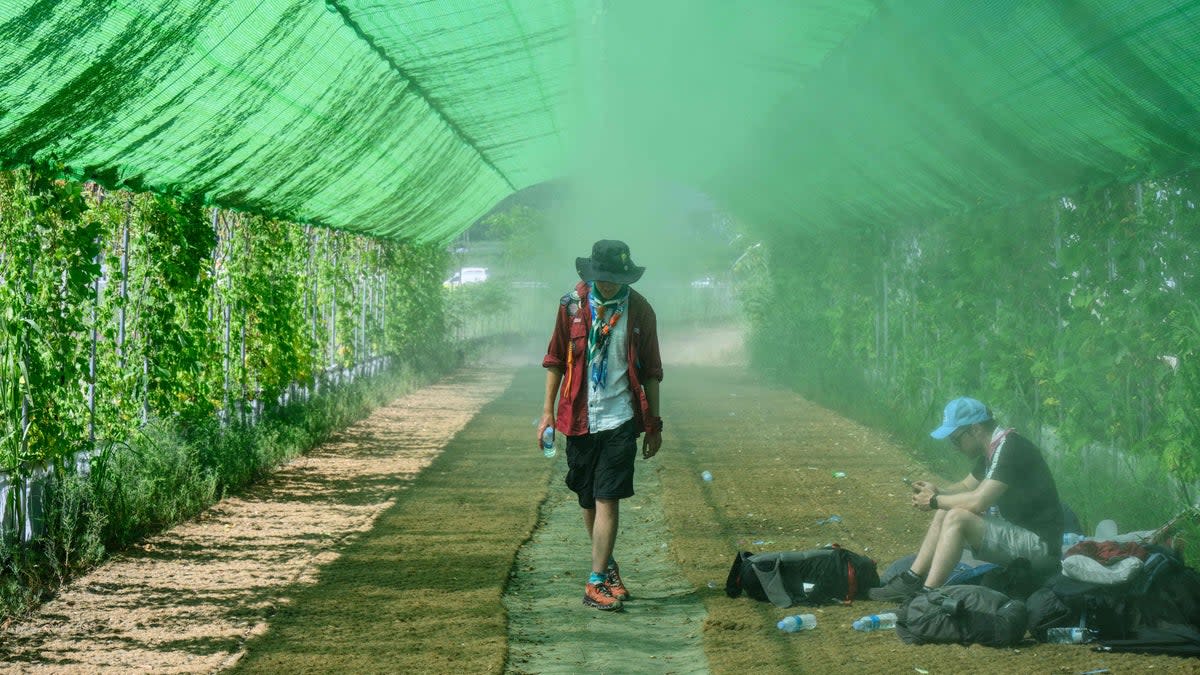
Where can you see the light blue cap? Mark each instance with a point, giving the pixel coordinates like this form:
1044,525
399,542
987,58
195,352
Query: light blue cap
959,413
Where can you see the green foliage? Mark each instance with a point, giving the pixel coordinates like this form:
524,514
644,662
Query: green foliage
171,340
523,232
473,309
47,253
182,320
194,310
1075,319
416,326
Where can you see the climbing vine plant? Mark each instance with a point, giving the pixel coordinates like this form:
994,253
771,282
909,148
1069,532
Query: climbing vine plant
118,309
47,267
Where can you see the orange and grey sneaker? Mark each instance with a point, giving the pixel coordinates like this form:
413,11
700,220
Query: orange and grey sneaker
598,596
612,579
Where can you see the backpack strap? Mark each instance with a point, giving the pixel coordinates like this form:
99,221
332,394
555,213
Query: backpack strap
852,578
573,302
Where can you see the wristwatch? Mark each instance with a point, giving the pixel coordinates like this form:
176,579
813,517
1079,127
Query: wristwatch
933,505
655,425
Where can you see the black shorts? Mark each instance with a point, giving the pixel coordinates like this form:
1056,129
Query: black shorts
600,465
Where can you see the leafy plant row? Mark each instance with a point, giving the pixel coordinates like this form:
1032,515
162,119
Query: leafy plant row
117,309
1075,317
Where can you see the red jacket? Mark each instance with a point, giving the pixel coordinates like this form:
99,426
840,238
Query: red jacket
568,351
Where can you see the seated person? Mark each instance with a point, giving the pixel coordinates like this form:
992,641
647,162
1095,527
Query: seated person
1006,508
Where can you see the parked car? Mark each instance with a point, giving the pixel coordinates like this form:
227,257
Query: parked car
467,275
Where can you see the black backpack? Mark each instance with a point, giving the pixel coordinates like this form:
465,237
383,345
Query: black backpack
1167,593
833,573
964,615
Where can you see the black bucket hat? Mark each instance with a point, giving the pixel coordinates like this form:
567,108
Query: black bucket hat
610,261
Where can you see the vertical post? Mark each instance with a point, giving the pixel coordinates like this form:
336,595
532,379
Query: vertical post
146,385
226,314
242,377
361,356
383,307
333,298
99,260
1059,347
314,308
225,351
883,348
25,403
124,282
216,255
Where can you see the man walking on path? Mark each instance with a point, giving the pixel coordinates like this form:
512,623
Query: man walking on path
1006,508
603,365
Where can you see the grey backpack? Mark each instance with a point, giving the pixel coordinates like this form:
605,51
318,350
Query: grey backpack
964,615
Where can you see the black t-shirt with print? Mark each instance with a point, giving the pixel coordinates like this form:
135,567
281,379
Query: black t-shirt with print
1031,500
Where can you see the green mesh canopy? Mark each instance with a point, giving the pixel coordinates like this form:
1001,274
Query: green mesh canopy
410,119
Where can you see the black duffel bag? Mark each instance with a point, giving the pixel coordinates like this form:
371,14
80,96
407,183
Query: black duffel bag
964,615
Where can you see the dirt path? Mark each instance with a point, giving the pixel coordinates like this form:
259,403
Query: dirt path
551,631
188,599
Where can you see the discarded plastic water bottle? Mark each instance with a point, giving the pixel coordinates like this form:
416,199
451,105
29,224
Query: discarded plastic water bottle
870,622
1071,635
548,448
707,476
797,623
839,474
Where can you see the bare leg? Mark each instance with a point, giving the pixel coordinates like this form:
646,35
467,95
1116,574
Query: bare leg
960,527
589,520
604,532
921,564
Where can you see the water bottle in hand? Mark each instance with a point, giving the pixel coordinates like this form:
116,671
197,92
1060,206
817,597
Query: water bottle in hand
870,622
797,623
548,448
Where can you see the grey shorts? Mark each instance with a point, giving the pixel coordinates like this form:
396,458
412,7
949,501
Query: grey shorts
1004,542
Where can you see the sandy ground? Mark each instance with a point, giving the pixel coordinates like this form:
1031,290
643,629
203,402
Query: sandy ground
188,599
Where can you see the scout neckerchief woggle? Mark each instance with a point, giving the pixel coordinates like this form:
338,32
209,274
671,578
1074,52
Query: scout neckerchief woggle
605,314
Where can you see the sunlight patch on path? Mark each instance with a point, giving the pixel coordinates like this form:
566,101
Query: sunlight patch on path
187,600
551,631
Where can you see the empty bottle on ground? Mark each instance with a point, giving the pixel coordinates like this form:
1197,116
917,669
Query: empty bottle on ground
1070,635
797,623
871,622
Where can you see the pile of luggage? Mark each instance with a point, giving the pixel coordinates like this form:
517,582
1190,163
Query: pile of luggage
1127,593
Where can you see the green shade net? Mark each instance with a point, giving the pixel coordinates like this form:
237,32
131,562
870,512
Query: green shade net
411,119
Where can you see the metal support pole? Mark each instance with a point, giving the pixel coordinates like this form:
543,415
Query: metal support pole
91,399
124,283
216,254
